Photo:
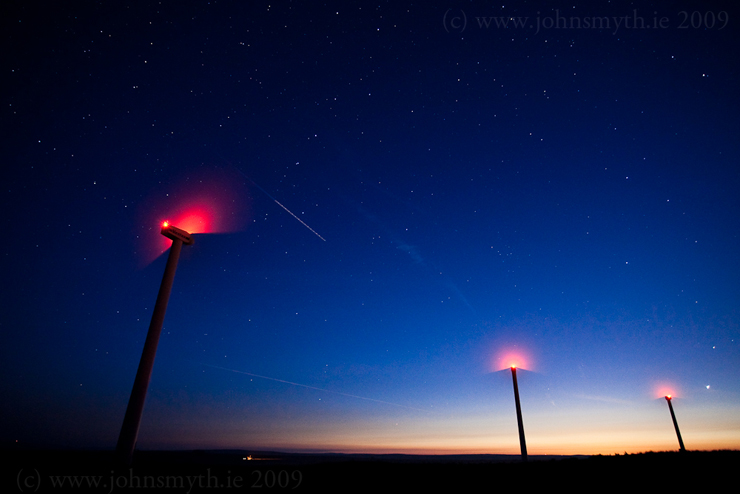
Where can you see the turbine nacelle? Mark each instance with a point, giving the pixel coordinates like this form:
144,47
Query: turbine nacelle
174,233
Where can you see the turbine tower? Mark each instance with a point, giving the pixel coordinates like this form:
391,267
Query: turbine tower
132,419
675,424
522,441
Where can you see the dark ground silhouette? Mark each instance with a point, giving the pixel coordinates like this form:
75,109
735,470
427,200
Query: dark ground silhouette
229,471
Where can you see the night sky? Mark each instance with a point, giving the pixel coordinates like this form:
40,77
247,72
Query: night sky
393,202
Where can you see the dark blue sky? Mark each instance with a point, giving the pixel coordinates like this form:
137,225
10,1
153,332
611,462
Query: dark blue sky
566,197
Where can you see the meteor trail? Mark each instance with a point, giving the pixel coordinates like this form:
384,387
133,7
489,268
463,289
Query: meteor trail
278,203
312,387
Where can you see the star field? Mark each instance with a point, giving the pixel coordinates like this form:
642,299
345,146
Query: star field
386,208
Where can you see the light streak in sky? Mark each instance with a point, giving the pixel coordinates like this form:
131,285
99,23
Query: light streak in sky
296,217
312,387
278,203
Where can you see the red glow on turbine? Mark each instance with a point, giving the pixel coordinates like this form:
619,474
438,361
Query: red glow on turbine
209,201
508,346
665,391
199,217
511,359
